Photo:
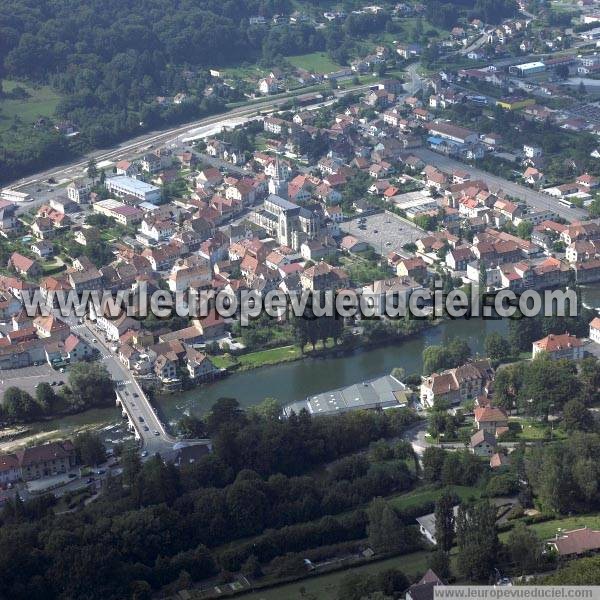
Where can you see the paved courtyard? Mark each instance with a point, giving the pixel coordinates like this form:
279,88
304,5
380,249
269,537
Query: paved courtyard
384,232
29,377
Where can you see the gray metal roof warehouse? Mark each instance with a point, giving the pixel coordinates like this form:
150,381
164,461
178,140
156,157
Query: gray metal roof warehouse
382,392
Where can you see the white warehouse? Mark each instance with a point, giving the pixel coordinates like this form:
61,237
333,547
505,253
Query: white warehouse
122,186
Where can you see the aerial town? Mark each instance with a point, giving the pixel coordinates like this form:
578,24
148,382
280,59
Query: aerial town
390,151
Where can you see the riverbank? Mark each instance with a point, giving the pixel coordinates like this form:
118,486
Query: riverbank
292,352
296,379
288,376
97,419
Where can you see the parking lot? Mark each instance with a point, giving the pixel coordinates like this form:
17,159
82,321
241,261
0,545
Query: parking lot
384,232
29,377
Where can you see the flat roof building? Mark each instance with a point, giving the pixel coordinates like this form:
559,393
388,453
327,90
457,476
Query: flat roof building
122,213
383,392
122,186
14,195
525,69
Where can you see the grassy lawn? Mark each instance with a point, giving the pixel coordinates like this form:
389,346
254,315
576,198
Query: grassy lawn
316,62
429,494
250,72
261,358
548,529
325,587
269,357
41,103
534,430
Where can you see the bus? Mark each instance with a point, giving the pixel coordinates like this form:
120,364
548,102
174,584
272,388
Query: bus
566,203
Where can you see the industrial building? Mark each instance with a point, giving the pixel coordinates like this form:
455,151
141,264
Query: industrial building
527,69
123,186
383,392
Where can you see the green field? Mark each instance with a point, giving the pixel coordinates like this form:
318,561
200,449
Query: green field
424,495
315,62
42,102
261,358
325,587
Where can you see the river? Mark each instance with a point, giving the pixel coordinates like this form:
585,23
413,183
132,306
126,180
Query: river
293,381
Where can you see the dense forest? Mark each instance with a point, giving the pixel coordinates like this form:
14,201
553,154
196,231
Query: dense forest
161,526
110,60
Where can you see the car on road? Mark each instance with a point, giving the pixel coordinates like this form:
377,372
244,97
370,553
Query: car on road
145,453
146,428
72,475
94,340
156,432
136,395
90,480
141,419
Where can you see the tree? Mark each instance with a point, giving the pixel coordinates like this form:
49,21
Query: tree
444,521
525,549
225,411
269,409
439,563
584,571
18,405
92,169
547,383
477,540
191,427
433,461
497,347
89,448
523,331
562,71
131,464
385,529
45,396
524,229
482,277
576,417
90,384
252,568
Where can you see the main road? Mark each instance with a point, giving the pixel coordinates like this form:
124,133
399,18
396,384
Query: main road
155,439
537,200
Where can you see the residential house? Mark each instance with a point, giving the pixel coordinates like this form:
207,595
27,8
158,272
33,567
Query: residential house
483,443
412,267
199,366
456,385
559,346
24,266
43,248
595,330
490,418
46,460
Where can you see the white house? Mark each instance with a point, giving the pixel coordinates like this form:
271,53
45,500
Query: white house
595,330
